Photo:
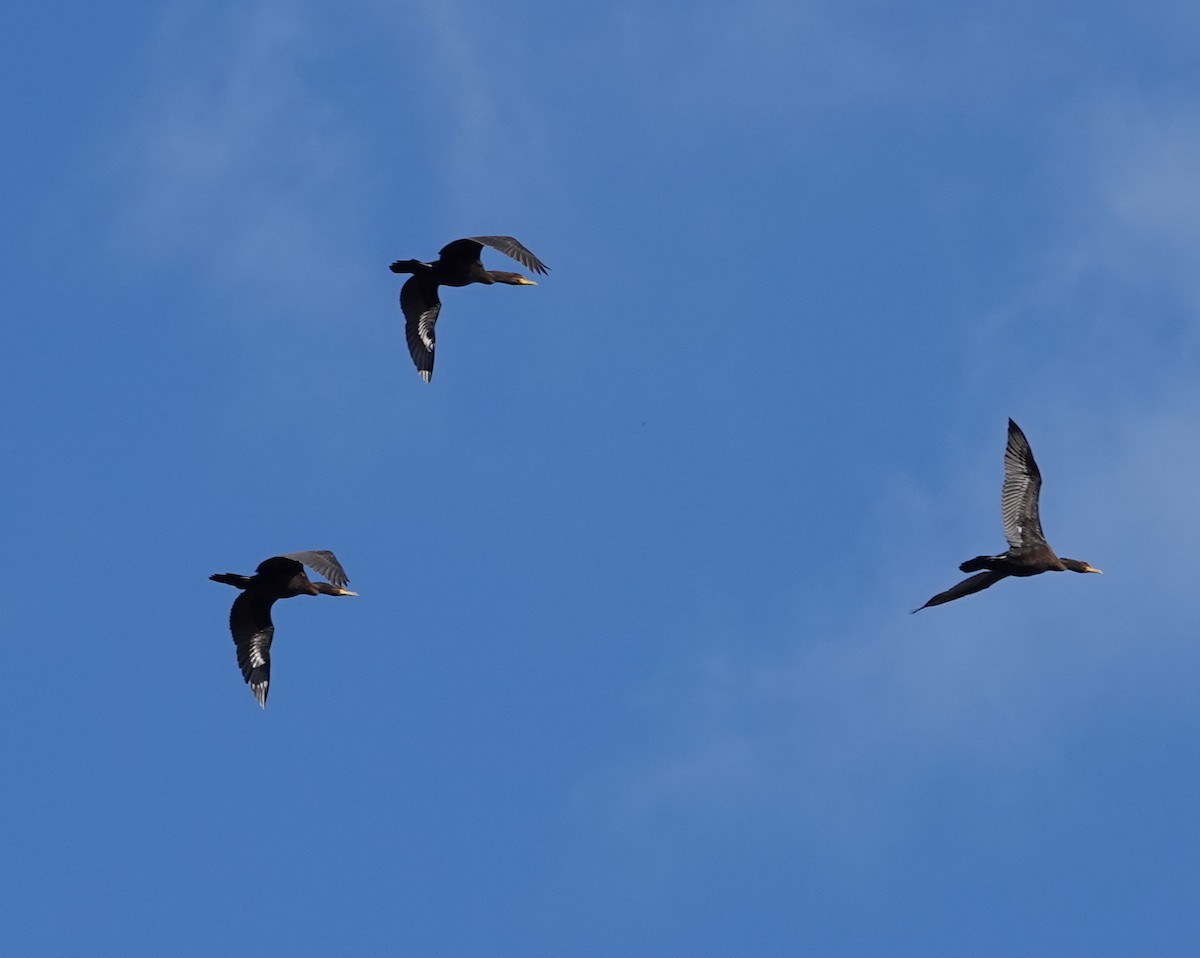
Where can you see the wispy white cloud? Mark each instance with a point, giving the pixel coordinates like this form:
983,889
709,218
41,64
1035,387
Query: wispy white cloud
485,135
236,161
1141,221
768,55
838,737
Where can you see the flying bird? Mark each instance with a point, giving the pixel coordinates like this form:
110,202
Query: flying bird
1028,551
458,264
279,577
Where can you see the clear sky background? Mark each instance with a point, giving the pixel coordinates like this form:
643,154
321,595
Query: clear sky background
632,671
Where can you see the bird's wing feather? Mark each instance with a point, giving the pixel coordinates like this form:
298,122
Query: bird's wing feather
976,583
250,623
511,248
420,303
324,563
1019,495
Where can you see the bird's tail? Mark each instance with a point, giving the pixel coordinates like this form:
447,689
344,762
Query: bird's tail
407,266
231,578
978,564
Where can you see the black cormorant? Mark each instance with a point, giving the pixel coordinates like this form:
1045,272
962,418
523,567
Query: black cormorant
279,577
1028,551
458,264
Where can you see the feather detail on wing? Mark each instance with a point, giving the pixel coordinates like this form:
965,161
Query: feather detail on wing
1019,495
420,304
507,245
324,563
250,623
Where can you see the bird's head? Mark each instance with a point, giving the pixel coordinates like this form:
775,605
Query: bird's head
1076,566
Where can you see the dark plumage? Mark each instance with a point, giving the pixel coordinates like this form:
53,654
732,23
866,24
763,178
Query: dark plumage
458,264
1028,551
279,577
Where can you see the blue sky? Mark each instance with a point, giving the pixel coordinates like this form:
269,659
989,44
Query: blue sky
631,672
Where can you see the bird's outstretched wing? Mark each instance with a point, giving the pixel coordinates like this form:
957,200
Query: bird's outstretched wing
250,623
977,583
324,563
1019,495
471,248
420,304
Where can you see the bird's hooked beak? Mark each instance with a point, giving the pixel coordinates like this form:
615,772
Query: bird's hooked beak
522,281
348,592
1090,569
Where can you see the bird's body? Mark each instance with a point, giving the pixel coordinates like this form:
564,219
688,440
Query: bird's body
458,264
1028,551
280,577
